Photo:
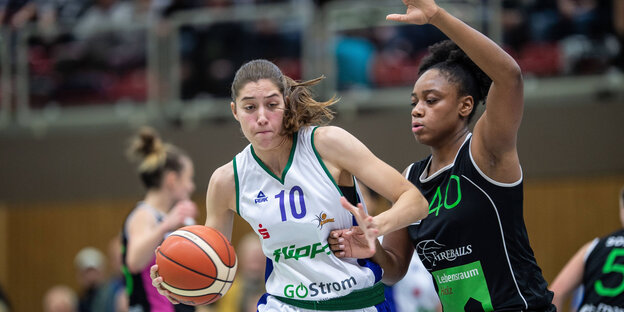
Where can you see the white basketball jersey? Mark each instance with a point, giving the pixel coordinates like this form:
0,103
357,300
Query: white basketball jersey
293,215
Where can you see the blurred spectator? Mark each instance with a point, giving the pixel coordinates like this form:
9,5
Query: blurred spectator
5,306
110,297
169,7
17,13
514,24
354,55
102,15
618,20
60,298
57,15
589,45
576,34
591,18
90,265
211,53
400,50
90,54
543,20
248,286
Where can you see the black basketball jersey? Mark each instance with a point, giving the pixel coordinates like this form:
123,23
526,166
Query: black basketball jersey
474,241
603,276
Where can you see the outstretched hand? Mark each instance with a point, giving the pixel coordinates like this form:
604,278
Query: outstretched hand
418,12
357,241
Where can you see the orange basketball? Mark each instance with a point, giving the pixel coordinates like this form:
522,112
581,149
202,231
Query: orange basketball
197,264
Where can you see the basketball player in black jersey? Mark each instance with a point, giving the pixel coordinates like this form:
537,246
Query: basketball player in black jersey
599,267
167,174
474,241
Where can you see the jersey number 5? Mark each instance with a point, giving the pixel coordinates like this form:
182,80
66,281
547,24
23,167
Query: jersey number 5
611,267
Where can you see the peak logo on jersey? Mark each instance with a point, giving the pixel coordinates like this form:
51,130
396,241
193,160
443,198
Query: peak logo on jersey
263,232
432,252
261,198
322,219
292,252
313,290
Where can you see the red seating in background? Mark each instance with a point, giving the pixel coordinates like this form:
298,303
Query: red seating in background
131,85
540,59
391,70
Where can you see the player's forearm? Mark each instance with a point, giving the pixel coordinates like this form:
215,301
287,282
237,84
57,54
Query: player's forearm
409,208
488,55
393,271
141,250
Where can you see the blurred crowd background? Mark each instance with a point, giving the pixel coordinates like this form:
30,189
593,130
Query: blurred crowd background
77,77
85,52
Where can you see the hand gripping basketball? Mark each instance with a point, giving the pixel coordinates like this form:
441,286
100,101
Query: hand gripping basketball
195,265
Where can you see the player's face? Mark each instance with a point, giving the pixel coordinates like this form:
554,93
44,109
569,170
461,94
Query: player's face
259,108
435,109
184,186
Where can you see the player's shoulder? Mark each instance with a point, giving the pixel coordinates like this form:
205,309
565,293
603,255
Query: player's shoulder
223,177
329,132
331,137
142,216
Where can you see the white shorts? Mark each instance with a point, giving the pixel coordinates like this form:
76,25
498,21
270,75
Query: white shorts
273,304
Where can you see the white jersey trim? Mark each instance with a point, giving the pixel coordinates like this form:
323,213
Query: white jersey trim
407,173
501,184
423,178
590,248
408,170
321,162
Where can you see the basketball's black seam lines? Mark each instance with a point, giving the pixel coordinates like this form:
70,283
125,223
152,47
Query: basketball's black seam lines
227,244
223,239
202,274
202,249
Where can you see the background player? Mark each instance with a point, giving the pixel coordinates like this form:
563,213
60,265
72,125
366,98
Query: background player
167,174
598,267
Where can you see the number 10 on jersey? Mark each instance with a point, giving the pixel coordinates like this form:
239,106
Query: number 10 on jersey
295,193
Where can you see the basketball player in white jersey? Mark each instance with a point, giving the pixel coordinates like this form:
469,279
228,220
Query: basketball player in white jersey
289,183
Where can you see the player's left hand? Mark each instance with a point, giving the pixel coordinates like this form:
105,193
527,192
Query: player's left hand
358,241
157,283
418,12
350,243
